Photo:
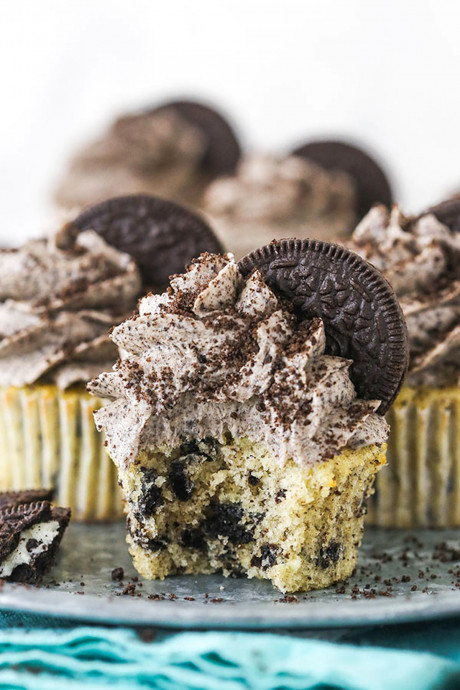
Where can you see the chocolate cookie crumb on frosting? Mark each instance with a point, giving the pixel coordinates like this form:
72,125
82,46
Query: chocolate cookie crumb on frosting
242,447
420,257
30,534
205,357
372,185
54,323
360,313
160,235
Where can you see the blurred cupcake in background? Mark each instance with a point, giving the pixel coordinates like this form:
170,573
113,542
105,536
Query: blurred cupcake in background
271,198
59,296
172,151
320,190
420,257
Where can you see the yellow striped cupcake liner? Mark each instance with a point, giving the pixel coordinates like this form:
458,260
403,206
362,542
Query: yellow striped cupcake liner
50,441
420,487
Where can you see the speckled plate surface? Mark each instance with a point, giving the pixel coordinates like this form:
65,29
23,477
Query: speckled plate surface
401,577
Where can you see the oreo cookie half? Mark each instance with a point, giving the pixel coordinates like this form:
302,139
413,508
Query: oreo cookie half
30,534
362,317
9,499
447,212
372,185
223,150
161,236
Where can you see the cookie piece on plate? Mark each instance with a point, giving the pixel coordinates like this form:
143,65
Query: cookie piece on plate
30,533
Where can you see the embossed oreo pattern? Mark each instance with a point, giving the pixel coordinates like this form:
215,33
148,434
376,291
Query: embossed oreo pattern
161,236
361,315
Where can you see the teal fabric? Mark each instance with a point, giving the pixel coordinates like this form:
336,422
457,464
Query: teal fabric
94,657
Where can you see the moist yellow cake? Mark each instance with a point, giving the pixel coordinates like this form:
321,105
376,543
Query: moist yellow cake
49,441
241,446
207,507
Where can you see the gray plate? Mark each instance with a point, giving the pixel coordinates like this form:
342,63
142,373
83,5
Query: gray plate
89,553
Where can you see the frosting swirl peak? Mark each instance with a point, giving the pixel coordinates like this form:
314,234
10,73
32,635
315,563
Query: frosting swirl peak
420,257
58,298
219,353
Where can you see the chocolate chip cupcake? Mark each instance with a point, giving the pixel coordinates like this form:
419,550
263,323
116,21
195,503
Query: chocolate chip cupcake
421,259
59,296
172,151
241,443
269,197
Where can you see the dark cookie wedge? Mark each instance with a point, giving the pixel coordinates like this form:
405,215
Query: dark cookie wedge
362,318
9,499
223,150
372,185
447,212
161,236
30,534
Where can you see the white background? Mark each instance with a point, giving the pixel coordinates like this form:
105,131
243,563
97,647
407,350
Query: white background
386,73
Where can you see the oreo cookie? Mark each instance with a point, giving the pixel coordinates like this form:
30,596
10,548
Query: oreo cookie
30,534
362,317
447,212
372,185
9,499
161,236
223,150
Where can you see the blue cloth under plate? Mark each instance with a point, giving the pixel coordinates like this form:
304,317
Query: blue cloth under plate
94,657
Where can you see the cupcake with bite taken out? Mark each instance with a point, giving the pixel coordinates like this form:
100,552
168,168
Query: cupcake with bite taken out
246,414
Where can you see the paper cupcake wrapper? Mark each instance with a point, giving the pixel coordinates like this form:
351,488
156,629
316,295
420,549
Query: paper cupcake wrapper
49,440
420,487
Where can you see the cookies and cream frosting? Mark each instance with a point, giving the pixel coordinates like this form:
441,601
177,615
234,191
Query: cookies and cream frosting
275,197
219,353
58,298
278,189
420,257
157,153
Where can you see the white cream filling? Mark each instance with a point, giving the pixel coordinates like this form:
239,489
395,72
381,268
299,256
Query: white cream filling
45,533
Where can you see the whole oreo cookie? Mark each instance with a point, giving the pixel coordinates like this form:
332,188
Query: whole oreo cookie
447,212
161,236
223,150
372,185
362,318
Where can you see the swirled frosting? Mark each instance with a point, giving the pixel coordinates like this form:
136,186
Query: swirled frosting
420,257
58,298
153,153
219,353
270,198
